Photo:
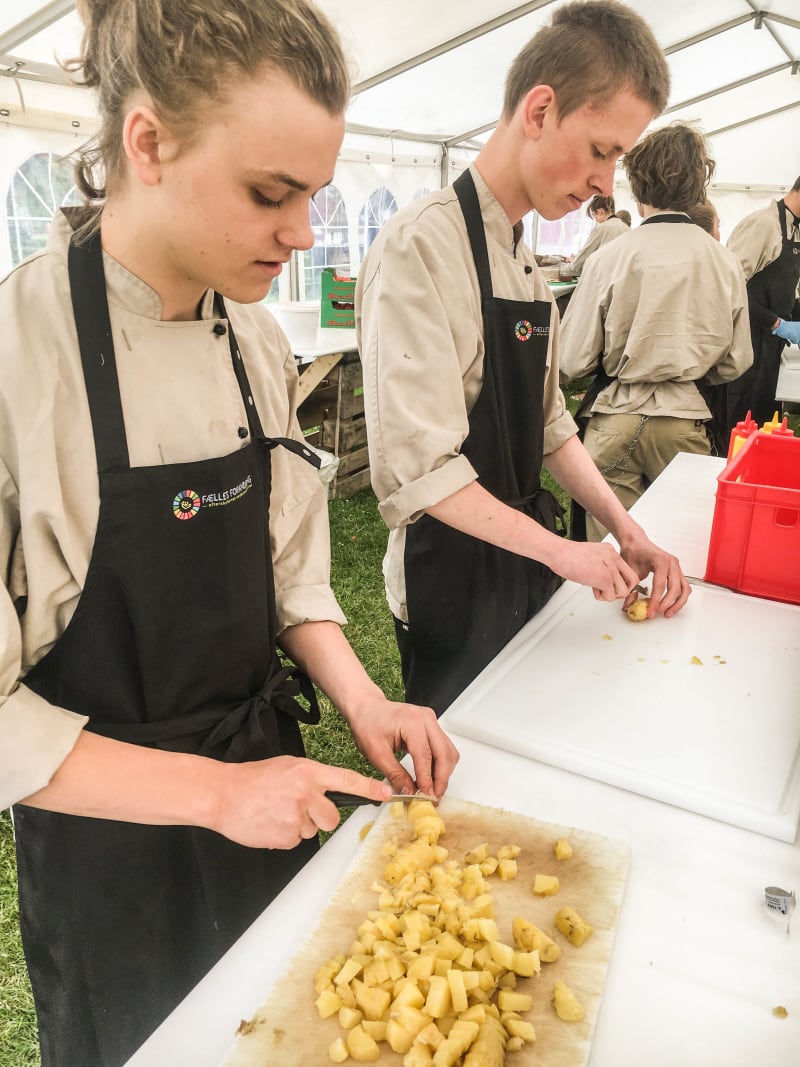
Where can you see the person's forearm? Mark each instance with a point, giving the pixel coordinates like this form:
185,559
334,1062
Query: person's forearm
109,779
323,652
474,511
575,471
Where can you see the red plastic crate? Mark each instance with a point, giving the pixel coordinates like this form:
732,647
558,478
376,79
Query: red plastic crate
755,535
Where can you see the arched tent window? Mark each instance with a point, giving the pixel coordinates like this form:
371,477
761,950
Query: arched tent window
380,206
38,189
328,217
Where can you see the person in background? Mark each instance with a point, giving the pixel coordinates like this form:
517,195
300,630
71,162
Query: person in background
654,319
163,534
607,227
624,216
767,244
459,344
705,216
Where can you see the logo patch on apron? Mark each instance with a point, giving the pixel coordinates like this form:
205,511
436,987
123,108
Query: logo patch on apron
186,504
524,330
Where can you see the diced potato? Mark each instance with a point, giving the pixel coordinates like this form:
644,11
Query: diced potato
438,1002
477,855
376,1028
489,865
530,938
526,964
502,954
510,1000
572,926
566,1003
328,1003
362,1047
349,970
398,1038
458,992
349,1017
508,852
337,1051
418,1056
507,869
562,849
521,1028
545,885
372,1000
431,1036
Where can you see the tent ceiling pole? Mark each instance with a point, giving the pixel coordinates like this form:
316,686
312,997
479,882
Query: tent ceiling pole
727,88
404,135
706,34
451,142
14,67
795,25
444,167
754,118
764,18
35,23
448,46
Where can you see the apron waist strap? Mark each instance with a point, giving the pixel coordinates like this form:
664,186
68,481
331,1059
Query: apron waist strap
244,731
542,506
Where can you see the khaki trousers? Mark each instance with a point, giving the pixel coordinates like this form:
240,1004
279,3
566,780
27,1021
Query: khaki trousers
632,450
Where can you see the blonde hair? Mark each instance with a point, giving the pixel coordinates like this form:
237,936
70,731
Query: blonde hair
183,54
670,168
591,51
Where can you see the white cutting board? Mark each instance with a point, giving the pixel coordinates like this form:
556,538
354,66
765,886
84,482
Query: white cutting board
585,689
287,1030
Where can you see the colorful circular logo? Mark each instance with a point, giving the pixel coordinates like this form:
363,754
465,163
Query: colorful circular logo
523,330
186,504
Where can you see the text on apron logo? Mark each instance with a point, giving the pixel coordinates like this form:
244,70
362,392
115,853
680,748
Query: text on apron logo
524,330
187,502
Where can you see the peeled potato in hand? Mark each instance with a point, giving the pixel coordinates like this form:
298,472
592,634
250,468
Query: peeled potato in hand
637,611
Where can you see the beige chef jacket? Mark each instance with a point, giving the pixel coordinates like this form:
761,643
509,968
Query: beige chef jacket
600,235
664,306
420,335
181,402
757,240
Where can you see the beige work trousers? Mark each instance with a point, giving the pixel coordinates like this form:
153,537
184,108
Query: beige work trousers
632,450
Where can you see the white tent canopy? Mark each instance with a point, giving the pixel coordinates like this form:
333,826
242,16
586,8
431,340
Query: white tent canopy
428,84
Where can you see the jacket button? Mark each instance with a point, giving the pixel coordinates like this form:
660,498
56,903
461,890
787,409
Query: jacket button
242,431
219,329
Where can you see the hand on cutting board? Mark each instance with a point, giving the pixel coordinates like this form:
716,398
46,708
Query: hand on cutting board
670,589
278,802
382,728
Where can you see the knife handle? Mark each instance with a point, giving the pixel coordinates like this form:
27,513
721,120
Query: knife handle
348,800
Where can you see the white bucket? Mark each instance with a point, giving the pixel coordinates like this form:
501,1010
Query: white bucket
299,320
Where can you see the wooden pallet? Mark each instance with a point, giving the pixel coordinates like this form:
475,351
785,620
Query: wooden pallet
331,415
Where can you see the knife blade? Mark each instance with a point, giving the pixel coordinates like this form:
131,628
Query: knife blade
347,800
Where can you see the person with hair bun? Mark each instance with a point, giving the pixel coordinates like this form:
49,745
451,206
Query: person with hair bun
164,541
607,227
624,216
661,321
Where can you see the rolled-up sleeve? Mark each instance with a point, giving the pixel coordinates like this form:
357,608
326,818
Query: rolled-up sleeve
299,531
35,737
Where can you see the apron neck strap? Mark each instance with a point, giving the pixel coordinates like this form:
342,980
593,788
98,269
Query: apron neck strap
464,187
90,307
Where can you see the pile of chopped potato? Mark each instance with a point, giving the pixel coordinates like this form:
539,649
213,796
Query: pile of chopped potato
428,973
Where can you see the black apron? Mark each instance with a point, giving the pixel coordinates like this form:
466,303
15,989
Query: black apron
172,645
466,598
774,287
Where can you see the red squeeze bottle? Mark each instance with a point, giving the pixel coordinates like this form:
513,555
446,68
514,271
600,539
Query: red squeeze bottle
740,433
